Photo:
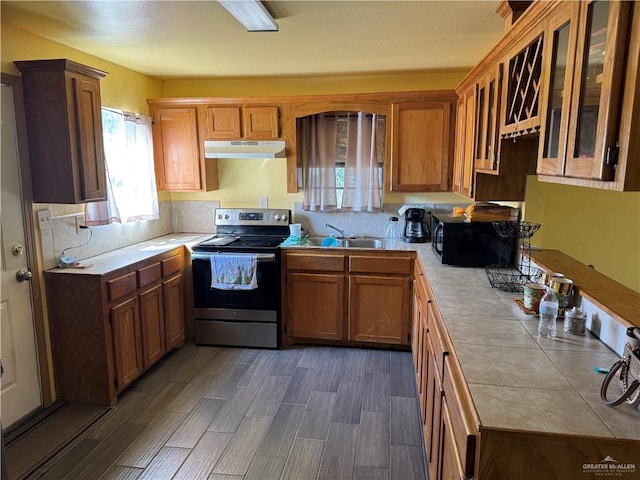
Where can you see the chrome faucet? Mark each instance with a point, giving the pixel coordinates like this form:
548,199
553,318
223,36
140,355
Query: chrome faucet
342,235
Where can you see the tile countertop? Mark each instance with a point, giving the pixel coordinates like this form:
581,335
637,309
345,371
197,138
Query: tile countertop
518,380
116,259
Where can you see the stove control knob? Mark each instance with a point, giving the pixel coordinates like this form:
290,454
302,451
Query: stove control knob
276,217
219,216
283,218
226,216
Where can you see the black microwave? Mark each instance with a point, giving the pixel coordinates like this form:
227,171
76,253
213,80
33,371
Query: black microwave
469,244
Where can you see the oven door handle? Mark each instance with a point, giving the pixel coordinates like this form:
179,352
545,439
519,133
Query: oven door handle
260,257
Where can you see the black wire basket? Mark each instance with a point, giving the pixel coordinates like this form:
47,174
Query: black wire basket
510,279
507,277
511,229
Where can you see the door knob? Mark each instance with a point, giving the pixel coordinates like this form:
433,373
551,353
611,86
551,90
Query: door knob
18,250
24,275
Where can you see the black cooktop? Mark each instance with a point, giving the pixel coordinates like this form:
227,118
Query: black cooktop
234,242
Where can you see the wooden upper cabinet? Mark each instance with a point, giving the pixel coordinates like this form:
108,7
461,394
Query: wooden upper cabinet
219,123
488,98
177,152
591,96
260,123
238,122
420,146
64,126
557,83
592,141
521,97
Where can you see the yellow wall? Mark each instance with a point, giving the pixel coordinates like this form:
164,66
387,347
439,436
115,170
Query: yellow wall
597,227
122,88
302,85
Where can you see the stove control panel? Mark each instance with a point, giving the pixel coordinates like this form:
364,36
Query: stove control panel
258,216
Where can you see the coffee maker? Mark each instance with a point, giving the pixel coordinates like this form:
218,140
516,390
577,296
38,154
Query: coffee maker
416,230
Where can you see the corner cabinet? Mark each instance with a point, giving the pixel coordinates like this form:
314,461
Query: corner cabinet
421,146
178,151
348,297
108,329
64,127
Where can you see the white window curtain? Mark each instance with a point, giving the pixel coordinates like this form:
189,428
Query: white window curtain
131,183
362,190
319,157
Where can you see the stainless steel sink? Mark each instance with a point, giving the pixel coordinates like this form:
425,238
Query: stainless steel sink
363,242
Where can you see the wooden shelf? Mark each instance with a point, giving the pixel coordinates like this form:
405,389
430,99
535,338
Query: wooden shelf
614,298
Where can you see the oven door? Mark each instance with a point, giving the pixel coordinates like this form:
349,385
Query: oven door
265,297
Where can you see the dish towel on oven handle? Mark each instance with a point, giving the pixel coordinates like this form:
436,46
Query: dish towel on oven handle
234,272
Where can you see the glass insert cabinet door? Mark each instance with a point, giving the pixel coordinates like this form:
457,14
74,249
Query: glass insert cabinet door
559,56
596,92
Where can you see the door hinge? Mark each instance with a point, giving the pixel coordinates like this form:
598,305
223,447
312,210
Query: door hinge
612,156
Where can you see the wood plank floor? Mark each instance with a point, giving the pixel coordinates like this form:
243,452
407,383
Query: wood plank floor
215,413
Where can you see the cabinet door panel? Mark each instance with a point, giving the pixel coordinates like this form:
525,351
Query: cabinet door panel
152,322
260,123
420,147
173,294
449,466
315,305
177,149
220,123
597,92
125,322
90,142
559,55
379,309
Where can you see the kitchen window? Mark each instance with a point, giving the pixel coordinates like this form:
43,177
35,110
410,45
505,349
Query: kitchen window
131,186
342,158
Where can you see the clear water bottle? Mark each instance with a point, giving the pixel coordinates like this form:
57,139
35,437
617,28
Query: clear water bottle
391,234
548,315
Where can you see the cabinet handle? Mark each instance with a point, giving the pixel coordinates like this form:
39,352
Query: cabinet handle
612,156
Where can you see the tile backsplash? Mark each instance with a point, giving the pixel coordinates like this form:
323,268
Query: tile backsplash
175,217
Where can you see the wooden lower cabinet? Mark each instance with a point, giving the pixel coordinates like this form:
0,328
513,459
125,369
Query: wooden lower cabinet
127,343
449,434
152,323
351,297
449,465
377,308
173,294
107,329
315,307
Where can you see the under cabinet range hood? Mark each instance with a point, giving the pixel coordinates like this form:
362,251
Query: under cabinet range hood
244,149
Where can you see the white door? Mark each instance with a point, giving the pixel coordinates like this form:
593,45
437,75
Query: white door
20,392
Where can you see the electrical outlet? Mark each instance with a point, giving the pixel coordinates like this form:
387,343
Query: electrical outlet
79,223
44,219
264,202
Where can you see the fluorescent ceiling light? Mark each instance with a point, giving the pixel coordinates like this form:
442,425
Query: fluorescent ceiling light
252,14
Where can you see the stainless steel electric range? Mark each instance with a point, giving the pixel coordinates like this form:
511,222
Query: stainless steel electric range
250,315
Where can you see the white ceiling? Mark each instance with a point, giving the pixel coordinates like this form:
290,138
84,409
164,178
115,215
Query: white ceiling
169,39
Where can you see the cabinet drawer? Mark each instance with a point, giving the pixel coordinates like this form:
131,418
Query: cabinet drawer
121,286
388,265
315,263
149,274
460,410
171,265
